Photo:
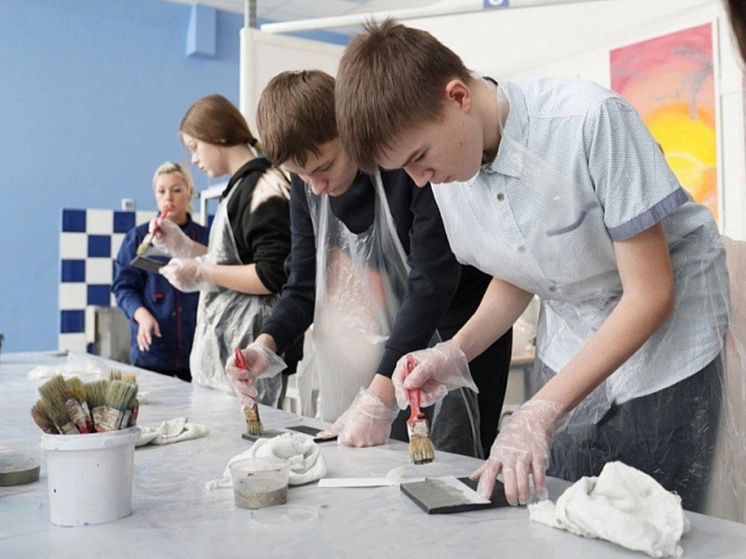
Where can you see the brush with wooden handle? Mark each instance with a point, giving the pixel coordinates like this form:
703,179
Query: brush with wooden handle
143,247
421,449
251,413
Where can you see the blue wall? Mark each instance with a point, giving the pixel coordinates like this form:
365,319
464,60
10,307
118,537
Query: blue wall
91,96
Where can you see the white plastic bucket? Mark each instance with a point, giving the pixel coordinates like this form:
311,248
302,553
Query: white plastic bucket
90,476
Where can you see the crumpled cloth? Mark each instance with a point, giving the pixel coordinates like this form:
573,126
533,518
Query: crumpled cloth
171,431
307,463
622,505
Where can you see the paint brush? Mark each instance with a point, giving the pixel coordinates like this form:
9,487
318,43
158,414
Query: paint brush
421,450
251,413
78,391
143,247
42,419
120,397
60,418
95,397
55,391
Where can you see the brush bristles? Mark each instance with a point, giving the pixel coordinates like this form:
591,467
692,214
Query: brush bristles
421,449
95,393
76,387
253,422
42,419
121,395
129,377
55,390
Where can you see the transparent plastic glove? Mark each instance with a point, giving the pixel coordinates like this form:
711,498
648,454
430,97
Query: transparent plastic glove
170,239
439,369
189,274
521,449
261,362
367,422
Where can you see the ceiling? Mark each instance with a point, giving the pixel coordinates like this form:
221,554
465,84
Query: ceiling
294,10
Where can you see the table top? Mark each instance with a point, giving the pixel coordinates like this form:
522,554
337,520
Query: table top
174,515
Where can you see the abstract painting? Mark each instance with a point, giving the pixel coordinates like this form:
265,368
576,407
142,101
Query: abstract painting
670,81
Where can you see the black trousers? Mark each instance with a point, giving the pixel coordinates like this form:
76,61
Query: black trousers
670,435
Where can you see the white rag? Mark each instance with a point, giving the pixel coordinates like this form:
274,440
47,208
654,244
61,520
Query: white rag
307,463
622,505
171,431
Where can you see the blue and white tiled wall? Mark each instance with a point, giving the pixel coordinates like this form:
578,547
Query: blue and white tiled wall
89,243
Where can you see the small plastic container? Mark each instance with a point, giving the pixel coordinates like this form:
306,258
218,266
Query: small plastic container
260,482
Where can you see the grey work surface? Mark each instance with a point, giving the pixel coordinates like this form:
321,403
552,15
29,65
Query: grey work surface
175,516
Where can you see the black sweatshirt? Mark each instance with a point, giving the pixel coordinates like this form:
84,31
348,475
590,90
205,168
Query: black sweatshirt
441,292
259,217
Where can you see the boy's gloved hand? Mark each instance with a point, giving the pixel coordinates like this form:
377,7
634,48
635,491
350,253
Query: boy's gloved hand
367,422
189,274
521,448
261,362
439,369
168,237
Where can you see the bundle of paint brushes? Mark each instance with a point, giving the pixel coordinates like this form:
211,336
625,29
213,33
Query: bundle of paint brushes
71,407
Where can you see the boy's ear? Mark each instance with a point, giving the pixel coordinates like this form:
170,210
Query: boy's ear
458,92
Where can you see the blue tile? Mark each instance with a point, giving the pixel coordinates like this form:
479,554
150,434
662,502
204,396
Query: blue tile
123,221
98,295
73,221
72,321
73,270
99,245
210,219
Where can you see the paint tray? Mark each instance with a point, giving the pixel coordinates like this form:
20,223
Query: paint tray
272,433
147,264
446,495
144,257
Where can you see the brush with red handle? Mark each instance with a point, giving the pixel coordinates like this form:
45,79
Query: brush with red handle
251,413
421,449
143,247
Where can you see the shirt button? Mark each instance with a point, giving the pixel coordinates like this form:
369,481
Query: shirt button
500,196
552,288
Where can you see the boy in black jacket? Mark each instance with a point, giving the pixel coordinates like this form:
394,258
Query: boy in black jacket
297,125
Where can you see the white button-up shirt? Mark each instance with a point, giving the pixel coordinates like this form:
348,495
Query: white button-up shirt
577,170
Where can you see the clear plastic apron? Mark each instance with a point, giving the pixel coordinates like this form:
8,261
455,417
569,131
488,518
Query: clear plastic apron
227,319
361,280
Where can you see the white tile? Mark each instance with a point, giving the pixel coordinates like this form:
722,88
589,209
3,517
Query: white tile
73,296
144,217
98,271
72,342
73,246
116,243
99,222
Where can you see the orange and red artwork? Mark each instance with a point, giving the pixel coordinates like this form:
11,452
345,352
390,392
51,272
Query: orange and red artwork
670,81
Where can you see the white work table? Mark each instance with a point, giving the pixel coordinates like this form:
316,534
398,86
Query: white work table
174,515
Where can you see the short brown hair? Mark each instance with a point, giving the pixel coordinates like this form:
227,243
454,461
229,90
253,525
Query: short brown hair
215,120
295,115
390,78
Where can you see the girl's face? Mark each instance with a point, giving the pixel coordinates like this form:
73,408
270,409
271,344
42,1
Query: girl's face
172,188
209,158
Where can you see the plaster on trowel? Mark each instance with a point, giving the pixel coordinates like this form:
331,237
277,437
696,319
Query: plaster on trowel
141,259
